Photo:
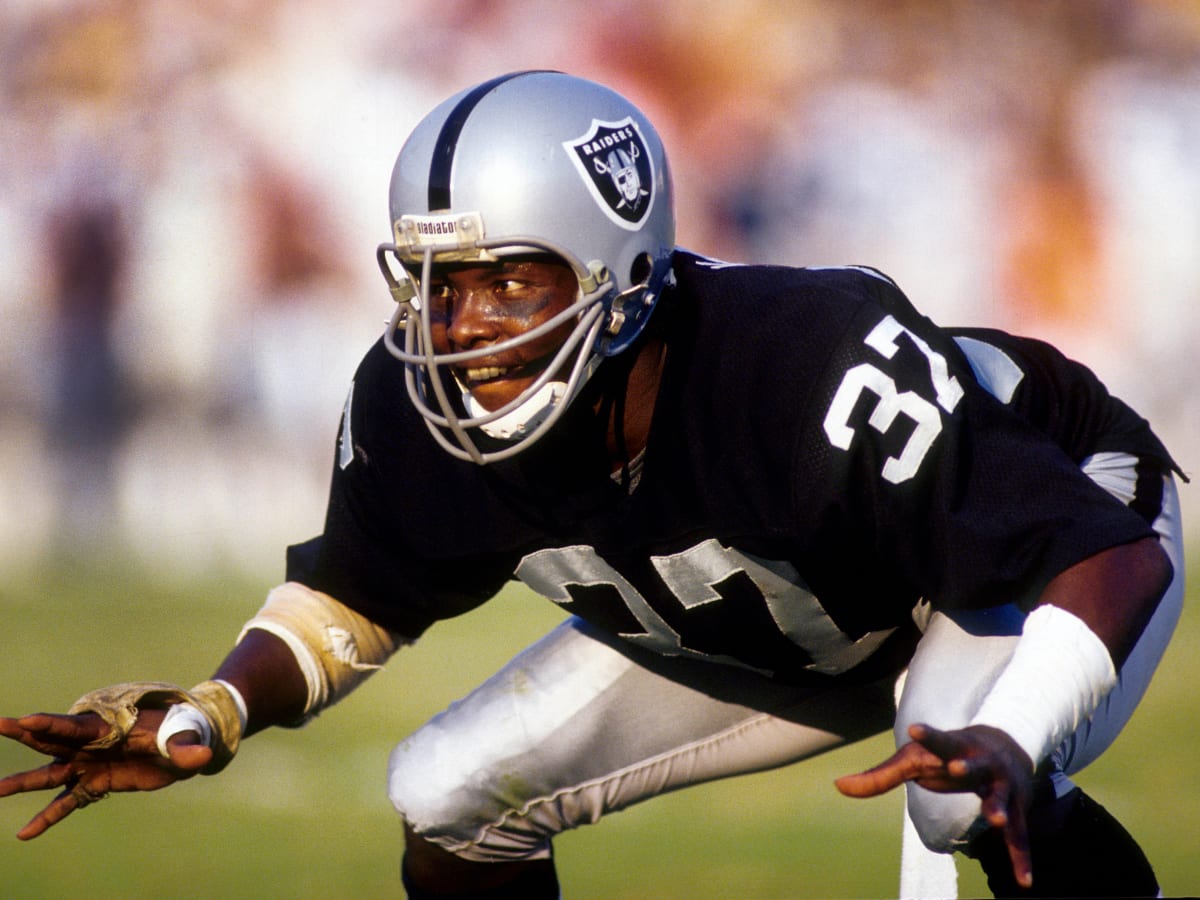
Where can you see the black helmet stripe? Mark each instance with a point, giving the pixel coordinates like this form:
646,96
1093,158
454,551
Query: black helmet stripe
447,142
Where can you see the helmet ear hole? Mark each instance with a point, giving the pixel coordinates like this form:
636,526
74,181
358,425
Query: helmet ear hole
640,271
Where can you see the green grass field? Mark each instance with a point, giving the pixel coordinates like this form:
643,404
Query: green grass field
304,814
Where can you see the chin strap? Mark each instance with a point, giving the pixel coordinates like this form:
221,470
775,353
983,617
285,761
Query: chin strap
522,420
531,412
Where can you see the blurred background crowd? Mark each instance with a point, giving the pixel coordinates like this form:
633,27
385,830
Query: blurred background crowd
191,192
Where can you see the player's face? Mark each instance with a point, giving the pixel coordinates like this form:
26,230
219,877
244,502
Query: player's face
477,306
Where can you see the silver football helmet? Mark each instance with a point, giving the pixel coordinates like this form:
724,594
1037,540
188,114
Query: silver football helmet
530,162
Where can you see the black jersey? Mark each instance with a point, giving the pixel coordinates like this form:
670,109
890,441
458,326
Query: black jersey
821,459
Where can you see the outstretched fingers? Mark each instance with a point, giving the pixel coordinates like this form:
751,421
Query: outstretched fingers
942,761
977,759
988,762
81,776
47,777
87,780
1003,808
53,813
77,791
54,735
912,762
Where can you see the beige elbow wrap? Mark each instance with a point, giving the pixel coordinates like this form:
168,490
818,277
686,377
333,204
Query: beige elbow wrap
335,647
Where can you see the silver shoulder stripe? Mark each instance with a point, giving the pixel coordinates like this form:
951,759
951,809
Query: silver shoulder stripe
346,441
994,369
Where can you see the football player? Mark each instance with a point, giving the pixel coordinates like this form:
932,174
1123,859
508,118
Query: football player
773,501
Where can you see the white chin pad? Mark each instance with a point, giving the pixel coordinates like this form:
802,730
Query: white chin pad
522,420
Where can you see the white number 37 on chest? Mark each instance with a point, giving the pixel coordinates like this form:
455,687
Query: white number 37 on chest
892,402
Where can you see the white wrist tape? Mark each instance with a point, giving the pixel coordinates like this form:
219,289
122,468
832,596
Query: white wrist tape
186,717
1058,675
335,648
179,718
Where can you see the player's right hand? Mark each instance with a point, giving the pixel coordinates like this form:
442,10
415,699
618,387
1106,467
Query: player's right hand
84,776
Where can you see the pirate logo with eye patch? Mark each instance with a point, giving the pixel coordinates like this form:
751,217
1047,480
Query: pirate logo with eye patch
617,169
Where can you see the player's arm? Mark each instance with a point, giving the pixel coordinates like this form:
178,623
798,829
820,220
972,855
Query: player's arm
302,652
1075,640
324,649
265,671
1114,593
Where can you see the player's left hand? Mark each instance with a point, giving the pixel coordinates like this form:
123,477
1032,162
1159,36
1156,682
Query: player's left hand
979,759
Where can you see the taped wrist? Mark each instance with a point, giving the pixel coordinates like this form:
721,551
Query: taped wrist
1058,675
118,706
187,717
335,648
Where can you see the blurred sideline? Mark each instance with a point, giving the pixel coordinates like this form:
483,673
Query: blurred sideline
191,194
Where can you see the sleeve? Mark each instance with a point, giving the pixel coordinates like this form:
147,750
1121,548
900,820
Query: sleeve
376,553
1061,397
925,482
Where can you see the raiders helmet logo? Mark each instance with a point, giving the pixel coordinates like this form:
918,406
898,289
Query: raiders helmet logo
617,169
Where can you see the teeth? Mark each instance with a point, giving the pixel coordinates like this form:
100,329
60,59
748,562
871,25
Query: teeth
485,374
